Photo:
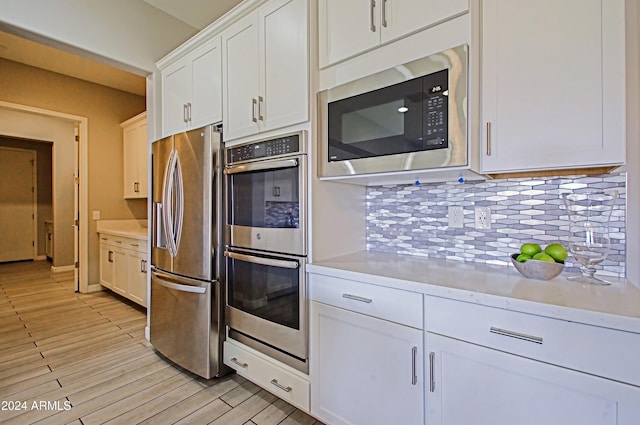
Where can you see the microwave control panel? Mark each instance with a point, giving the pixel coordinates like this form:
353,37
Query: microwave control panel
264,149
436,110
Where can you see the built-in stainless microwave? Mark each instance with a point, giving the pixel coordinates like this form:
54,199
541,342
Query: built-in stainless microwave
410,117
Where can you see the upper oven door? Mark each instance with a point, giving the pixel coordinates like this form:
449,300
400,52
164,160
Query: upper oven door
267,205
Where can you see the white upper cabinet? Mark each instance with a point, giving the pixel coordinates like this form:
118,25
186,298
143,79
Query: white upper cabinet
135,160
266,72
192,90
553,84
347,28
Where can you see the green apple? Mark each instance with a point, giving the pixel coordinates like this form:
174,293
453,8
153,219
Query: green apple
522,258
557,252
530,249
541,256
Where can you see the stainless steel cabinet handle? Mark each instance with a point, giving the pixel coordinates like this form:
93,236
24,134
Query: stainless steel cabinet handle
254,103
357,298
488,138
414,356
282,387
110,257
372,8
184,113
189,112
142,266
136,187
242,365
384,13
518,335
260,106
432,379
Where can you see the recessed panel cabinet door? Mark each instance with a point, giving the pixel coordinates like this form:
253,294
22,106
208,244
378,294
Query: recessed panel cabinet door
206,68
284,64
470,384
364,370
240,49
176,93
553,85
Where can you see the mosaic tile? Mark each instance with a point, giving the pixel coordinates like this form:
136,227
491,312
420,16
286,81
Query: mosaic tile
412,220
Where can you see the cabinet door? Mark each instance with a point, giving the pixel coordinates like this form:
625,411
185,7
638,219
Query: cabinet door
176,94
556,99
497,388
364,370
137,277
347,28
135,160
402,17
241,76
206,66
283,64
106,265
120,272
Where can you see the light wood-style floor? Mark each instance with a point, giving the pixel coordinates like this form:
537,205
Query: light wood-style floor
70,358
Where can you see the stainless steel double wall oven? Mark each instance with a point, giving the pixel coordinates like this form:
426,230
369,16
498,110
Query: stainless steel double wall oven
266,230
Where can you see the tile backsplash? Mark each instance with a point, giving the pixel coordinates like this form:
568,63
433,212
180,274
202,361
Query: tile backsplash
413,219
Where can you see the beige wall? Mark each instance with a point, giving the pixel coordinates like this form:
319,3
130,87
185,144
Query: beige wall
44,194
105,109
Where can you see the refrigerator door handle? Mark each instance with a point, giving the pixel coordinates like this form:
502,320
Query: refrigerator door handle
179,200
167,221
164,280
159,240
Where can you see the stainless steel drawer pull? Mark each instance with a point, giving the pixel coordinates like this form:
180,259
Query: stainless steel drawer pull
414,355
134,244
282,387
489,138
242,365
518,335
357,298
432,379
104,239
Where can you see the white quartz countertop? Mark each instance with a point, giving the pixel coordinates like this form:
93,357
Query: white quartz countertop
616,306
136,229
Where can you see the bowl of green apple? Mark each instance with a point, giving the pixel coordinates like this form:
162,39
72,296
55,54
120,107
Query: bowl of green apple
535,263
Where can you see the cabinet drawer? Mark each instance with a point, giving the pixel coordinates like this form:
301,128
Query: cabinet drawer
592,349
385,303
139,245
284,384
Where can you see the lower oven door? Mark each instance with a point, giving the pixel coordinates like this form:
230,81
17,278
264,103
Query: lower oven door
266,299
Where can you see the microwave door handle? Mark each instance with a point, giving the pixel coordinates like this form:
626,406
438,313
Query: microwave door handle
261,260
266,165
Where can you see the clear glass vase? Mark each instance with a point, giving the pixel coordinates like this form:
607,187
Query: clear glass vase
589,239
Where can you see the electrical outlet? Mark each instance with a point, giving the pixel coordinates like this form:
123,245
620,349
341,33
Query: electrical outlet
456,217
96,215
483,217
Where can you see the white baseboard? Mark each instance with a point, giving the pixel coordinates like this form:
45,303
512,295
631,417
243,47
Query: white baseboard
41,257
61,269
94,287
147,334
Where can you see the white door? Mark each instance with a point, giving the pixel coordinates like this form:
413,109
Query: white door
240,49
556,99
476,385
364,370
176,94
347,28
284,64
17,204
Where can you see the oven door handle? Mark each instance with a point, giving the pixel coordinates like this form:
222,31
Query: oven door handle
260,166
261,260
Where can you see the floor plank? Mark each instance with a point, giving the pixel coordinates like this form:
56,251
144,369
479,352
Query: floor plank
89,351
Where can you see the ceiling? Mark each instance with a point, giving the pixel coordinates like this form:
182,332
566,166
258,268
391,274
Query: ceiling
195,13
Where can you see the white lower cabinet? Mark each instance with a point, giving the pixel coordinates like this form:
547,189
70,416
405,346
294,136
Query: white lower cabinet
504,367
286,383
123,267
364,369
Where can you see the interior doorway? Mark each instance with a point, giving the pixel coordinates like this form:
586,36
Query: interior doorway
20,129
18,201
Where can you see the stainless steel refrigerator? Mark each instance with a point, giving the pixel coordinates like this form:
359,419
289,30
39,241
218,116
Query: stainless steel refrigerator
187,293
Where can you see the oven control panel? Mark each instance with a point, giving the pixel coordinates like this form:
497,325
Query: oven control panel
264,149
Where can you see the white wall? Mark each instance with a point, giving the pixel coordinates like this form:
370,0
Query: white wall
61,133
128,33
